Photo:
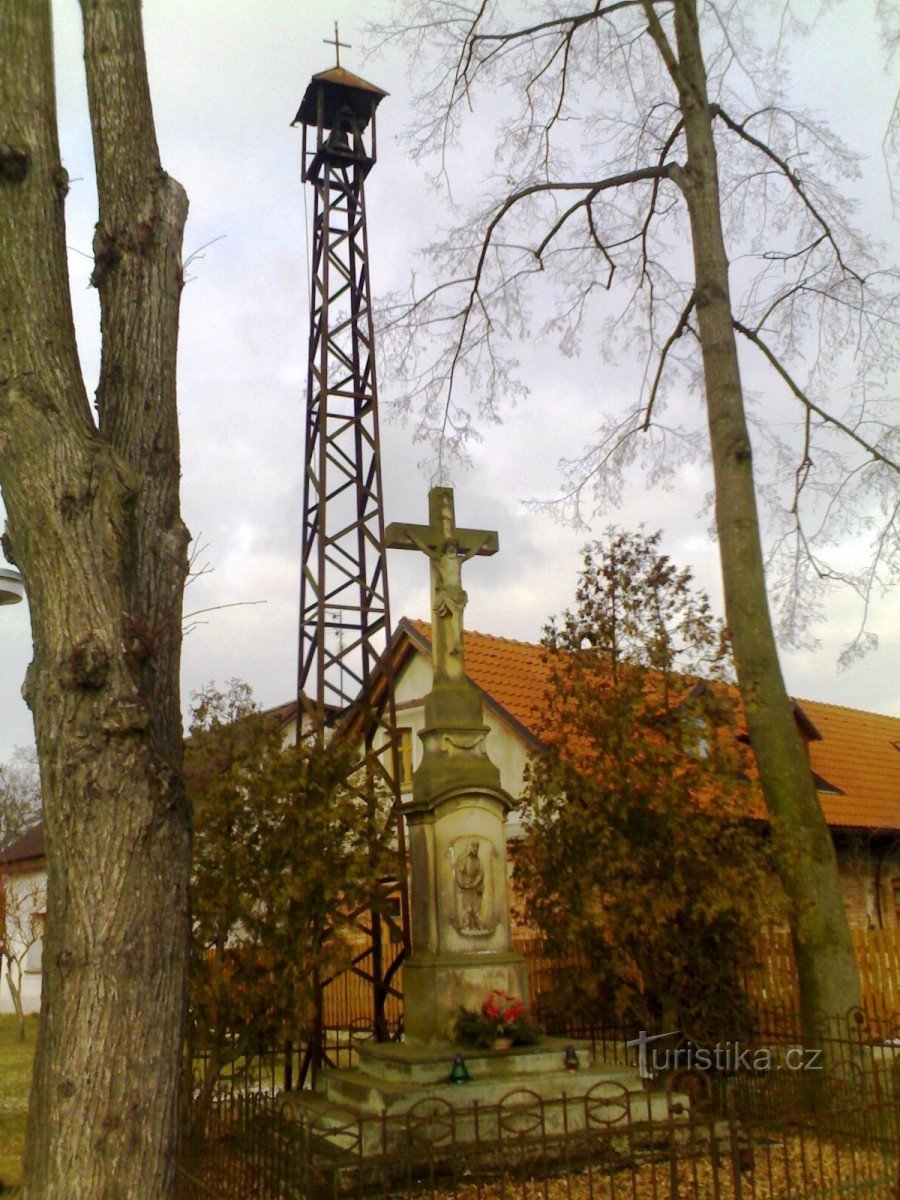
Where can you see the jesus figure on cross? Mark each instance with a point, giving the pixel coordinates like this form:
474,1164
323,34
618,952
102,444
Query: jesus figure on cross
447,548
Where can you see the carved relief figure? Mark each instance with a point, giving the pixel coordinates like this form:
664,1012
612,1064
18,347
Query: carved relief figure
470,881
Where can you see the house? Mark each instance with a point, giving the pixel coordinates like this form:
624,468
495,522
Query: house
23,893
854,755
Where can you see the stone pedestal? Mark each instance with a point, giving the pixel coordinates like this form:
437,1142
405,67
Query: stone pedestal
397,1090
457,847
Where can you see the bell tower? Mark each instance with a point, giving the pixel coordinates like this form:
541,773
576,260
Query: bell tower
345,624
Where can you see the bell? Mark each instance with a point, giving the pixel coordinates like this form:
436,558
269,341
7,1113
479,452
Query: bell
571,1059
339,138
338,142
460,1072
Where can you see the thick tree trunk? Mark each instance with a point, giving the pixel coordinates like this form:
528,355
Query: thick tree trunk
824,952
94,527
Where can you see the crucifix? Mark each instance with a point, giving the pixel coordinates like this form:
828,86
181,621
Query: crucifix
447,548
337,43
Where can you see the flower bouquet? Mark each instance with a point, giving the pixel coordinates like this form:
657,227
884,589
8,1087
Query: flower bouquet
503,1021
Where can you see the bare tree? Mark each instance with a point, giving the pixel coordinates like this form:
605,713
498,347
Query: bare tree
94,527
647,169
23,902
20,794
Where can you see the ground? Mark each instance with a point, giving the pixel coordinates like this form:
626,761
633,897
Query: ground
15,1071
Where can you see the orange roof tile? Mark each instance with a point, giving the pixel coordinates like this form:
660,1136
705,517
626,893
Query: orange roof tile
513,674
858,754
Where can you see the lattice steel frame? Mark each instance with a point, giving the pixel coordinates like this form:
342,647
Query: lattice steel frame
345,624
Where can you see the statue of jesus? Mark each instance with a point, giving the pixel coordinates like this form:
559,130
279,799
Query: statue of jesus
447,549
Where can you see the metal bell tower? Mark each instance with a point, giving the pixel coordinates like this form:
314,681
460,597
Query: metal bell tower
345,625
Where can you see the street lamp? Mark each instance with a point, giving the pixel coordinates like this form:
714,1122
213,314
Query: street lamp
12,589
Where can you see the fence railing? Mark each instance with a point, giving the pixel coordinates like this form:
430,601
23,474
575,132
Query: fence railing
772,1132
772,981
773,1011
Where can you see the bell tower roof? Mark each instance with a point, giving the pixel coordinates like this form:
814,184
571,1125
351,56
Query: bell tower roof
339,89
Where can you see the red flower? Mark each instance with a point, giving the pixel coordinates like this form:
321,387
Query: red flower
516,1009
503,1008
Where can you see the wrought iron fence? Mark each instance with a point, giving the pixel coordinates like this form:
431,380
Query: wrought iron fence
600,1147
276,1066
846,1042
769,1126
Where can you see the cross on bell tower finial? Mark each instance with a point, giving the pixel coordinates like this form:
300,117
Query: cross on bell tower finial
337,43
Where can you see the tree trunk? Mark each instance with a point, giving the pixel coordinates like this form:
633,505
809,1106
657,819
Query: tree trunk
15,991
826,965
94,527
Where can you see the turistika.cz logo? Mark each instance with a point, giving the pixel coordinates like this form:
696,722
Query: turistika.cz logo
656,1055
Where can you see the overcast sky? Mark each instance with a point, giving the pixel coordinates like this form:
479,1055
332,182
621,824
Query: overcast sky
227,78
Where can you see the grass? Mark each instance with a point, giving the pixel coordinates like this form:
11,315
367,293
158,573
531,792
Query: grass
15,1081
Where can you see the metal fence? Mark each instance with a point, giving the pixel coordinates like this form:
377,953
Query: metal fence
599,1147
765,1120
278,1065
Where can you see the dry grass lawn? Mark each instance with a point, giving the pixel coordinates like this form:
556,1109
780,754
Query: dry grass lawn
15,1081
790,1171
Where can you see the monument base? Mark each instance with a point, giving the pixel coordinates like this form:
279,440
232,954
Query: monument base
436,987
401,1092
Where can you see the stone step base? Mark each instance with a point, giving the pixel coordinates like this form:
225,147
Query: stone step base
373,1094
365,1116
402,1063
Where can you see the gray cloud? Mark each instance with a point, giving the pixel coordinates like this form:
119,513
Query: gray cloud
227,79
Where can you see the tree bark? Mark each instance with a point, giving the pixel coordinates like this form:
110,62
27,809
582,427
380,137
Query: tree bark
826,965
94,527
15,991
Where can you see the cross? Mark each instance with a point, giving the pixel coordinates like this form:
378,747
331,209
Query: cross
337,43
447,548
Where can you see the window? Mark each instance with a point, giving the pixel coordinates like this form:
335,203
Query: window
35,952
404,753
696,735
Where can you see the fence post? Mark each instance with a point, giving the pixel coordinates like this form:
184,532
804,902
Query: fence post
734,1149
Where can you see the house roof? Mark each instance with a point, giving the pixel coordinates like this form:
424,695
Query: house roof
512,675
854,755
859,756
29,845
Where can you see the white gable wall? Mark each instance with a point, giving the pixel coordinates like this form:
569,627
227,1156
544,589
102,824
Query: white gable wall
506,747
29,885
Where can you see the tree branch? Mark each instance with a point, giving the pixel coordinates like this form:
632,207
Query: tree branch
792,177
663,45
594,189
752,336
663,155
598,12
670,342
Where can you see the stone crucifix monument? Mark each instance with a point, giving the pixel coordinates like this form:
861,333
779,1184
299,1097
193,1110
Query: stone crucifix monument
460,926
457,816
